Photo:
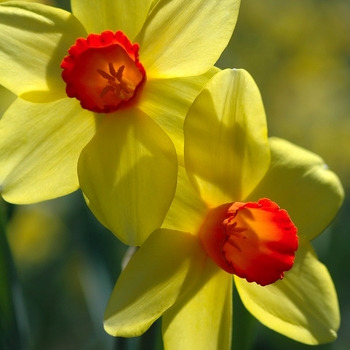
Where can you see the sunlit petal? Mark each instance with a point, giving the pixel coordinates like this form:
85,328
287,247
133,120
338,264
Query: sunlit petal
300,182
226,146
34,38
128,173
159,274
187,211
203,318
186,38
40,146
168,100
303,306
101,15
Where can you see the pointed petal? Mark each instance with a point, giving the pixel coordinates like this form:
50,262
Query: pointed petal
40,145
226,146
128,173
300,182
167,102
303,306
203,318
159,274
187,211
34,38
186,38
101,15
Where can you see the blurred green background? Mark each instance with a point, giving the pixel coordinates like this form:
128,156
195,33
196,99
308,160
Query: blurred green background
53,294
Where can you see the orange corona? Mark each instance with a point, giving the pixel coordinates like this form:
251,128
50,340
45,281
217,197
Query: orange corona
255,240
103,72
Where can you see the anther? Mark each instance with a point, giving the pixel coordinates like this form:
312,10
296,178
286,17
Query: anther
121,89
234,243
119,74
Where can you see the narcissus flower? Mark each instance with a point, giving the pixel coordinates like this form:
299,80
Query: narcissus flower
218,227
106,87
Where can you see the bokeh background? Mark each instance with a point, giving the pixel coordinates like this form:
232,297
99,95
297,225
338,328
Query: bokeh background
60,266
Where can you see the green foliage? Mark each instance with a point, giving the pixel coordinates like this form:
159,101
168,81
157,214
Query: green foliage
11,327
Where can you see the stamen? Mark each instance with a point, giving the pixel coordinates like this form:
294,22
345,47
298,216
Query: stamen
233,230
106,89
105,75
112,70
121,90
234,243
119,74
117,89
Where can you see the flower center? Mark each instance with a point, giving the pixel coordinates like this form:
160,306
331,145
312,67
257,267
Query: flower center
255,240
103,72
234,233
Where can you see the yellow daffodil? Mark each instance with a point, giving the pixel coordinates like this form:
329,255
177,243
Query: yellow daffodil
224,220
106,87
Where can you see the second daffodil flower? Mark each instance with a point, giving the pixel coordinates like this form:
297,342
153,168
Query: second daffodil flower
106,87
226,219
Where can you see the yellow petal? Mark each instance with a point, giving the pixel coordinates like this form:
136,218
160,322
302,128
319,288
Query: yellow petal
168,100
40,145
186,38
226,146
187,211
300,182
128,173
203,318
101,15
34,38
302,306
7,97
159,274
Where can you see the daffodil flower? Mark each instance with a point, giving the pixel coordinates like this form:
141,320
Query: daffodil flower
105,89
224,222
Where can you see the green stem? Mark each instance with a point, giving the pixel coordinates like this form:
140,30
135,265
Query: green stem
243,325
10,334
